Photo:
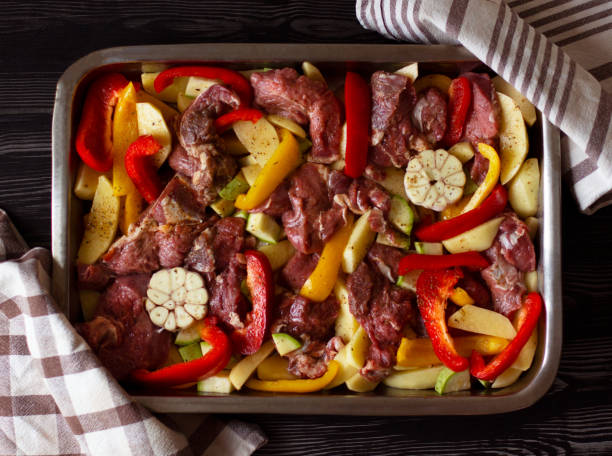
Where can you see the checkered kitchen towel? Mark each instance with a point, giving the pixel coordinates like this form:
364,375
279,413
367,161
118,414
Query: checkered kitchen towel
56,398
542,47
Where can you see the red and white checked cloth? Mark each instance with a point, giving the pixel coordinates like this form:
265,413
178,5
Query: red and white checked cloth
542,47
57,399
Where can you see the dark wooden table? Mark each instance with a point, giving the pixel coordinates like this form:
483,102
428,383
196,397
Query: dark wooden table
39,39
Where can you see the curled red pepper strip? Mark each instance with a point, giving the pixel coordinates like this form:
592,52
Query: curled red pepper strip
445,229
260,282
232,78
226,120
94,136
459,101
532,307
433,289
140,168
179,374
429,262
357,100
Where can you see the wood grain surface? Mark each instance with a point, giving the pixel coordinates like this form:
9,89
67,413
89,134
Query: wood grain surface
39,40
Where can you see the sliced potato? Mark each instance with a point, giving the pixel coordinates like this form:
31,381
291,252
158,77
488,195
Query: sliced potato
278,254
183,101
528,110
479,238
248,160
357,348
196,85
411,71
507,378
513,141
439,81
289,124
170,93
219,383
232,145
463,151
417,379
312,72
259,138
531,281
250,173
86,182
101,223
151,122
482,321
359,384
346,324
345,370
241,372
524,189
168,112
358,244
274,368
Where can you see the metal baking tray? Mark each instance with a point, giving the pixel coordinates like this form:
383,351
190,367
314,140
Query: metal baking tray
67,211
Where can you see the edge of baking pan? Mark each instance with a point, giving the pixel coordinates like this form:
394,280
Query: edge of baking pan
525,392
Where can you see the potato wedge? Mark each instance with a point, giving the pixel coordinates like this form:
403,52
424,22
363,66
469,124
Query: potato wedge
196,85
151,122
439,81
411,71
359,384
168,112
260,138
358,244
312,72
346,324
513,141
507,378
101,224
414,379
289,124
463,151
345,370
357,348
219,383
250,173
482,321
183,101
278,254
531,281
170,93
524,189
86,182
241,372
528,110
479,238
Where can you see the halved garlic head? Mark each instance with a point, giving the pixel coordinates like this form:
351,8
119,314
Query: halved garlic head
434,179
176,298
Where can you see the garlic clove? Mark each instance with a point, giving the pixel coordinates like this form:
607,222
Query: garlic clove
157,296
179,295
193,281
183,319
177,277
170,324
149,305
197,311
159,315
199,296
161,281
169,304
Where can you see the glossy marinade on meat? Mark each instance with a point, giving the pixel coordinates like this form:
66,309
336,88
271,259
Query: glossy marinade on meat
241,239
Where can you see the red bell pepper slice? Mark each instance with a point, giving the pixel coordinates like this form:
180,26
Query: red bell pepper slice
502,361
223,122
433,290
358,103
493,205
232,78
179,374
94,136
140,168
260,282
459,101
430,262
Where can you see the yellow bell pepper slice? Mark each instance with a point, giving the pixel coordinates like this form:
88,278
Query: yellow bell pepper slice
455,209
284,160
461,297
322,280
133,205
490,179
420,352
296,386
125,132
